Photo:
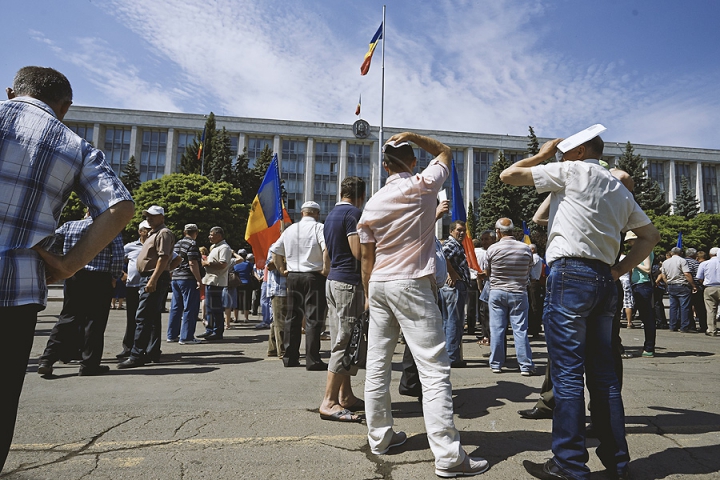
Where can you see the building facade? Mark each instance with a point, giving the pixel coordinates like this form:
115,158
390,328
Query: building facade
315,157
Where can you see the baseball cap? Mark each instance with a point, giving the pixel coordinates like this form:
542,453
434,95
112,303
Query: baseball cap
144,224
191,227
310,204
154,210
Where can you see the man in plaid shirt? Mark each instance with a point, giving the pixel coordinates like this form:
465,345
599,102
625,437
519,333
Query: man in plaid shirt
86,304
453,295
41,162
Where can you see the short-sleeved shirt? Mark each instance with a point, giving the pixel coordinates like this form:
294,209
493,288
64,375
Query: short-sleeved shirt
302,244
588,210
132,250
188,250
109,260
455,256
41,162
709,272
674,269
510,262
400,220
215,275
244,270
340,224
160,243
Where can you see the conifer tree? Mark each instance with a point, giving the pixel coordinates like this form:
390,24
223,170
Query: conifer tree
529,199
686,204
245,178
189,162
496,198
130,175
471,221
263,162
647,191
221,169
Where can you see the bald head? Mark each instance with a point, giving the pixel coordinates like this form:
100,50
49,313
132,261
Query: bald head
504,227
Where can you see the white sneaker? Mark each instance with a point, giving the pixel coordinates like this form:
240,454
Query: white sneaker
398,438
469,467
190,342
171,340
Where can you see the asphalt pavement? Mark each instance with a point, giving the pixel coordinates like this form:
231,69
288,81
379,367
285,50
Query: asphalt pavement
224,410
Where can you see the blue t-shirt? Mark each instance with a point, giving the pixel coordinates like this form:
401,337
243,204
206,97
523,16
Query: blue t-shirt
340,223
244,271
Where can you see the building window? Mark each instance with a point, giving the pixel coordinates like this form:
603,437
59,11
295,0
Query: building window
255,147
359,161
656,171
84,131
117,147
152,154
184,140
683,170
326,176
482,162
292,171
233,146
710,189
513,157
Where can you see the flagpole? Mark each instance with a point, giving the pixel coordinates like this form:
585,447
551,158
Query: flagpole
202,165
382,106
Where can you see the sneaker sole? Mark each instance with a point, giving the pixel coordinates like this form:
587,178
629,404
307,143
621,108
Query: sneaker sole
445,474
383,452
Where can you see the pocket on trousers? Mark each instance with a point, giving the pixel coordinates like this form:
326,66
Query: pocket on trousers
577,291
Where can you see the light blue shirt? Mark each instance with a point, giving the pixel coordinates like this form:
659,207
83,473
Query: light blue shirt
709,272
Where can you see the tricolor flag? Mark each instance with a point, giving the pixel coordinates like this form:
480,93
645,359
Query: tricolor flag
526,234
357,110
266,214
365,68
458,213
202,142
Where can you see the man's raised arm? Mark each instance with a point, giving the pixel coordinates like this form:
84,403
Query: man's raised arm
520,173
437,149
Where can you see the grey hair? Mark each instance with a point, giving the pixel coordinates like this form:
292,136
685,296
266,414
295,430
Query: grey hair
676,251
690,252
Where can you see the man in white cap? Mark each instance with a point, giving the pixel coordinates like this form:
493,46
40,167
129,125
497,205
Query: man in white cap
132,294
299,255
153,263
709,274
589,208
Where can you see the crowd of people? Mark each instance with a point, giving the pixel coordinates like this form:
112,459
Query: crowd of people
379,256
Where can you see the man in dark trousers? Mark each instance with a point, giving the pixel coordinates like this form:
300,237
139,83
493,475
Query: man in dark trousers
41,162
86,304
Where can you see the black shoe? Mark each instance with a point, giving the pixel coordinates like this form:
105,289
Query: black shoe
123,354
317,367
545,471
535,414
291,363
203,335
94,371
131,362
214,336
458,364
45,368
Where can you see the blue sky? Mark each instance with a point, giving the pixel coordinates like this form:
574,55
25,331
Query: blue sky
649,70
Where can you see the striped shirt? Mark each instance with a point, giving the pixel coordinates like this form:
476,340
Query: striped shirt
510,262
41,162
186,248
110,259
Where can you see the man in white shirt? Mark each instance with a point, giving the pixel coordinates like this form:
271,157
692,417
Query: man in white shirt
535,294
302,245
588,210
216,266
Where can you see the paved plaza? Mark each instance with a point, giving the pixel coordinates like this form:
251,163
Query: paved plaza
225,411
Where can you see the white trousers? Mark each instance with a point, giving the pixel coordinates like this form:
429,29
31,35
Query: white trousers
412,306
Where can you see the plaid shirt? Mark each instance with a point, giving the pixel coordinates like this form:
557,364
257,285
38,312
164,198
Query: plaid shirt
455,255
41,163
110,259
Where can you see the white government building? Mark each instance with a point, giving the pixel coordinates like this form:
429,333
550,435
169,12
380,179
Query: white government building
315,157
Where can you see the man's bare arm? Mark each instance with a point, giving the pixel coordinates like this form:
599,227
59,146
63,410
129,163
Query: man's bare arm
367,263
542,215
647,237
439,150
354,242
98,235
279,261
520,173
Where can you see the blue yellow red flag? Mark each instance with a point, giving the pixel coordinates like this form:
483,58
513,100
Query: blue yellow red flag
202,142
266,214
526,234
365,67
458,213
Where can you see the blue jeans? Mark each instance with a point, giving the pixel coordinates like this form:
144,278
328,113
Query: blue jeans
580,303
643,295
265,305
184,309
513,307
680,296
452,307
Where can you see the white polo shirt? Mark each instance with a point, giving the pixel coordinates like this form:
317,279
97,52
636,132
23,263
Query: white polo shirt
302,245
588,210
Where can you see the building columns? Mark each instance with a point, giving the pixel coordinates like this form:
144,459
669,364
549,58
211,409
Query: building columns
342,166
170,152
309,172
699,194
671,184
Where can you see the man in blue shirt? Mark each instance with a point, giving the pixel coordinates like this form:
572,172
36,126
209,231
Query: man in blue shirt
41,162
345,298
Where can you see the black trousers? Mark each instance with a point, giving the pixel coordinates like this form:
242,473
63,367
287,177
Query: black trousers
148,320
19,329
132,299
82,321
697,300
484,315
306,299
473,298
536,307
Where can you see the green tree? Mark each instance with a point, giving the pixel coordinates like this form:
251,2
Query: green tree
647,191
529,199
496,200
245,178
130,175
222,168
701,232
471,221
74,209
189,162
194,199
262,163
686,204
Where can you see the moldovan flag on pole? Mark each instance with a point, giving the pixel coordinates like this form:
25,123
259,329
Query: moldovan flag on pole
202,142
266,214
365,68
458,213
357,110
526,234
